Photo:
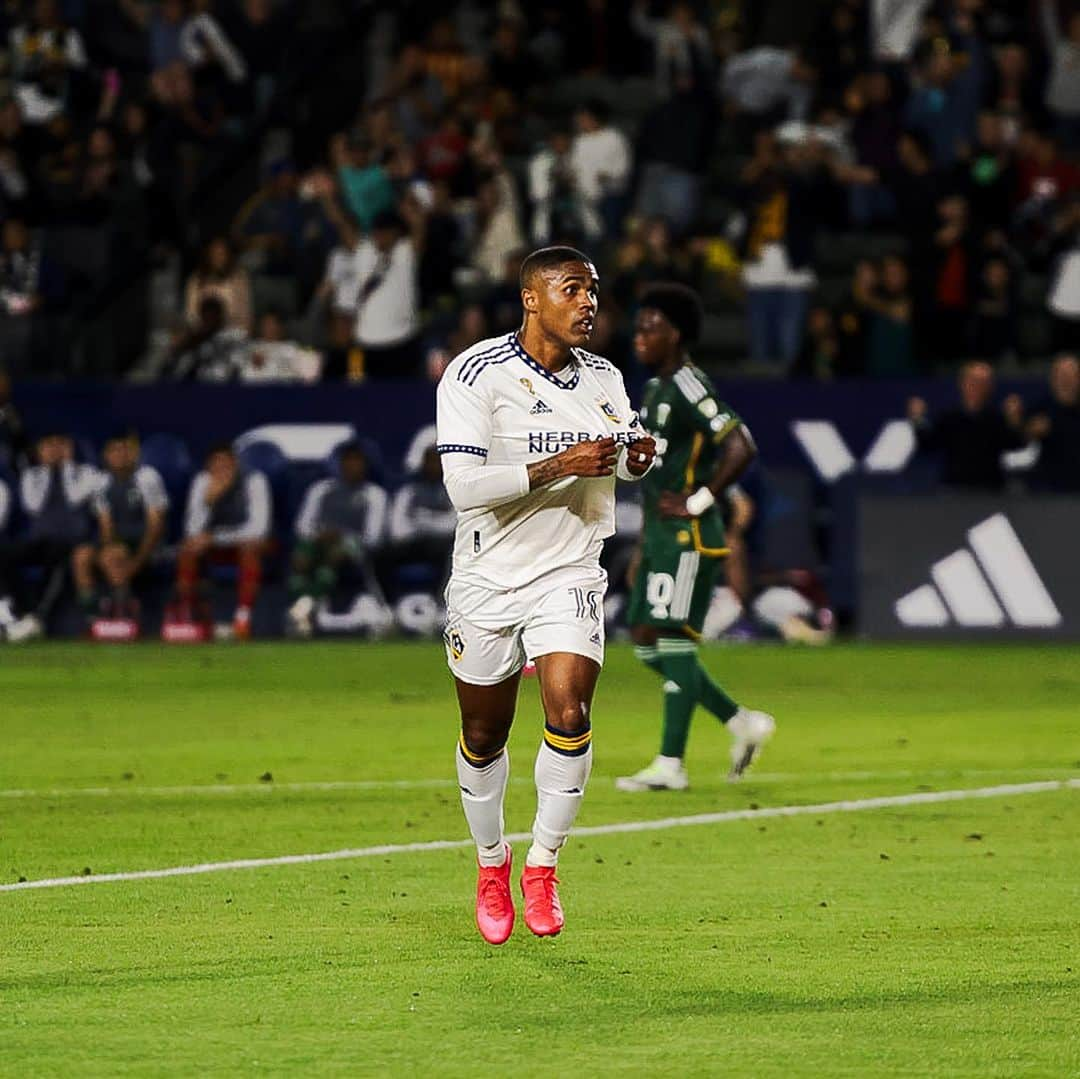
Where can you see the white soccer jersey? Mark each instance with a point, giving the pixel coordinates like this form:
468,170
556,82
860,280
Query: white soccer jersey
498,407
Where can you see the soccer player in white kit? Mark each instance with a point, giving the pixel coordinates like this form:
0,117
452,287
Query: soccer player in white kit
532,431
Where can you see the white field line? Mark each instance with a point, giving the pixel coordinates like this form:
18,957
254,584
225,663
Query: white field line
198,789
887,802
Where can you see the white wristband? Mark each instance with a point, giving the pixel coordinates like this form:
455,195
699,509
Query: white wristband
700,501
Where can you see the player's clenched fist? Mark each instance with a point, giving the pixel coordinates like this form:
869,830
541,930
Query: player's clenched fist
639,455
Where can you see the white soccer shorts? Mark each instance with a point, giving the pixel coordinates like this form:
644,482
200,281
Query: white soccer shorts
489,634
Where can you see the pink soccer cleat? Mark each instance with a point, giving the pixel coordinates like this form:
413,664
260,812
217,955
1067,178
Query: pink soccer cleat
543,911
494,904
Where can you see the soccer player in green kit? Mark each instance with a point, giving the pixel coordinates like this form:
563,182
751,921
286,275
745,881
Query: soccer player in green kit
702,447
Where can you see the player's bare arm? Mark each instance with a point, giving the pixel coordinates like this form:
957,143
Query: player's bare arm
588,459
739,451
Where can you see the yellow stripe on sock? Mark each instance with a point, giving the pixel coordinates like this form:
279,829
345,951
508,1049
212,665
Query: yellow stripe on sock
562,741
471,757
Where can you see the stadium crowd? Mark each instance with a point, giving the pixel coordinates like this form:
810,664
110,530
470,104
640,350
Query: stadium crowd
260,190
266,191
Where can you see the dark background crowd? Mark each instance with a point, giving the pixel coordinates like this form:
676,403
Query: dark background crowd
276,191
270,190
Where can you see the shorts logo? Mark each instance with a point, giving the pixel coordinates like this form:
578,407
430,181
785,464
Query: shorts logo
455,642
595,638
608,410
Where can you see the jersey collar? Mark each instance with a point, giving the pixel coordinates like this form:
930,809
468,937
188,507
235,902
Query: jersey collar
540,369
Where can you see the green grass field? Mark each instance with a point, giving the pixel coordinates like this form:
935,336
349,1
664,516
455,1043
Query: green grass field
933,939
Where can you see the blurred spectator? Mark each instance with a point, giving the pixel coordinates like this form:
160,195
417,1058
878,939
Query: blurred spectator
971,439
600,164
954,277
498,224
131,508
219,275
820,353
551,192
509,63
444,154
994,317
989,176
281,233
765,85
444,58
340,527
936,105
422,520
227,521
786,196
13,441
681,48
209,351
839,47
1012,92
272,357
343,358
1063,85
55,494
28,277
1055,425
260,34
6,500
365,185
386,297
1063,297
46,57
853,320
889,346
875,132
17,153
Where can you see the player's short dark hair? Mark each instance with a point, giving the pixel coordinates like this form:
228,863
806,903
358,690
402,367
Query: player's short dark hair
680,305
547,258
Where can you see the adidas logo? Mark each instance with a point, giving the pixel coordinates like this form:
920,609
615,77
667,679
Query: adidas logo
595,638
992,584
539,409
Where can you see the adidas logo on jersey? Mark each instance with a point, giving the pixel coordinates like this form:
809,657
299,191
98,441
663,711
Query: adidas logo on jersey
539,409
994,586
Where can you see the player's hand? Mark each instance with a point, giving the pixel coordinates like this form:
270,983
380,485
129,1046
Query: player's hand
673,505
916,409
589,458
640,454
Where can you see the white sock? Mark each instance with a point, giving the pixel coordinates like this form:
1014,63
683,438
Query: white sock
674,763
482,791
560,788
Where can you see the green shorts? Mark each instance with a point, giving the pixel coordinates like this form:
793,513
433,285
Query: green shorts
675,580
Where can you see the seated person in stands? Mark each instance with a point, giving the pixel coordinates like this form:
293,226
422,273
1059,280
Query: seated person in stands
272,357
422,520
131,508
210,350
227,521
55,495
339,527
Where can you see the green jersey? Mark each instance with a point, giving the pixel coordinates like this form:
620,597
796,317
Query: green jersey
689,423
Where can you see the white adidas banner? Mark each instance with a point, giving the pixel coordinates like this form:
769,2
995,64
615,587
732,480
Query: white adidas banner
958,565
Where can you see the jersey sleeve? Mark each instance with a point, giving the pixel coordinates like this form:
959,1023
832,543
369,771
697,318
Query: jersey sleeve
702,409
463,419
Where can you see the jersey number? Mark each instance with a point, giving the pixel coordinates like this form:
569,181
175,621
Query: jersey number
659,591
